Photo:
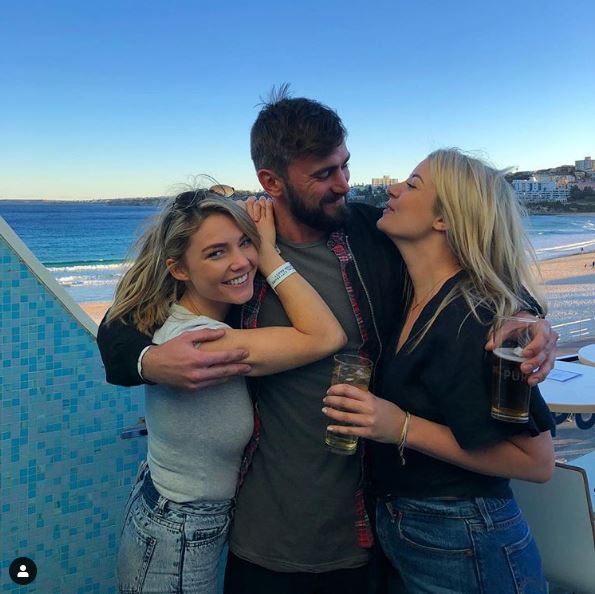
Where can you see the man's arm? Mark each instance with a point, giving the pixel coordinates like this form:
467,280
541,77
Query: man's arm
176,363
120,346
539,354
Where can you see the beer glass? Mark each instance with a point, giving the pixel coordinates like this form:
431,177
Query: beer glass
356,371
510,390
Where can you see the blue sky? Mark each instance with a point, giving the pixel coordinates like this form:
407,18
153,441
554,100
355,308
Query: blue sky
105,99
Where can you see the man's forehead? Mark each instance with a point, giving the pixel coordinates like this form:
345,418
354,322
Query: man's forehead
336,158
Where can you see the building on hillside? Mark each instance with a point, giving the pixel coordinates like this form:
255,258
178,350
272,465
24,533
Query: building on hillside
587,165
564,181
384,181
531,190
585,183
542,178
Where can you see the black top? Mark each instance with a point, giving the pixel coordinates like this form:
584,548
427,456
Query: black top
446,379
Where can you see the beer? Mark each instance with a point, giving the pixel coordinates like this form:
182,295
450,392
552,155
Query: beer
510,390
355,371
345,444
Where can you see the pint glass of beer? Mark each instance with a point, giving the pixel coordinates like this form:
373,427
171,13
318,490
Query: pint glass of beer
510,390
356,371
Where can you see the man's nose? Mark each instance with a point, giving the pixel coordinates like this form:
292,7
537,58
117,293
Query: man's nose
341,182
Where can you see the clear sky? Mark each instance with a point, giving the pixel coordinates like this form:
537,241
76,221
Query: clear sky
102,99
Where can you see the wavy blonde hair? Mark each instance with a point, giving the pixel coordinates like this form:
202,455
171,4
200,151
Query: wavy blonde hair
485,233
147,290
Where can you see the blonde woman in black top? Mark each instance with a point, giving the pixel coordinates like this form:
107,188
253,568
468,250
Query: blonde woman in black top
440,465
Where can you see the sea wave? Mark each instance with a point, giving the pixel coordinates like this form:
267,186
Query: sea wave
555,251
99,266
69,281
89,274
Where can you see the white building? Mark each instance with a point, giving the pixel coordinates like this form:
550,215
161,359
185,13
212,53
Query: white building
531,190
384,181
585,165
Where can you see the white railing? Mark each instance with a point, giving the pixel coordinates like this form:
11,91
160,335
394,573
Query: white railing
575,331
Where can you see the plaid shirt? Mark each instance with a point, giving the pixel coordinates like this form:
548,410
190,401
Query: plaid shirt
338,244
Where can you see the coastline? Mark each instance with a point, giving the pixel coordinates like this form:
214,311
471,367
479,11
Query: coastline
573,269
563,278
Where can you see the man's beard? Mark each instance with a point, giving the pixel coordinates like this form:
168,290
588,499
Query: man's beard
315,216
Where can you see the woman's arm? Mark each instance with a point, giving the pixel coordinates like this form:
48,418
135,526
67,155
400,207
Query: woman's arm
315,332
520,457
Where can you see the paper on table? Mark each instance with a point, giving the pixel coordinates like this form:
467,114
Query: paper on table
561,375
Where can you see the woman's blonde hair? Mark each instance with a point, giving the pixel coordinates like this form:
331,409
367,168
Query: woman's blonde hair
147,290
485,232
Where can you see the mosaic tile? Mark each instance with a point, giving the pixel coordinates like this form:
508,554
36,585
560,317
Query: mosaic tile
65,472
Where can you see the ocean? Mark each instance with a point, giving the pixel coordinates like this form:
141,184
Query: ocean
85,244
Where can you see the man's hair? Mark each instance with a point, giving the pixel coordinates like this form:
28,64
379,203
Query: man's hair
290,128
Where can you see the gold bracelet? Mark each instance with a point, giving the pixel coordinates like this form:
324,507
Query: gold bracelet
403,438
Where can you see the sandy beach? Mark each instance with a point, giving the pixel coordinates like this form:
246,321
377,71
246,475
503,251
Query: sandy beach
95,310
568,282
569,287
572,269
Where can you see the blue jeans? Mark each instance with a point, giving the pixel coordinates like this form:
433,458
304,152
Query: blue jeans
460,546
171,547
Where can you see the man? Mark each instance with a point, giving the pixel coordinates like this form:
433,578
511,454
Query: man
300,524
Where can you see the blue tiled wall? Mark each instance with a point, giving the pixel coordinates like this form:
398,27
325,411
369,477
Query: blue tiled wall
65,473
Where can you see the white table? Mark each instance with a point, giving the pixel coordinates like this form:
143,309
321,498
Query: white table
586,355
576,395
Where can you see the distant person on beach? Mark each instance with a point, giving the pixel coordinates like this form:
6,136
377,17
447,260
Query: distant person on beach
196,261
440,464
300,524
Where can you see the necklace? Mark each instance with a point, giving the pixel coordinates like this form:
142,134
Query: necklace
412,314
429,293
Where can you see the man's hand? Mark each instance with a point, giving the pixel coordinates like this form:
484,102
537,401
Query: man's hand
179,364
539,354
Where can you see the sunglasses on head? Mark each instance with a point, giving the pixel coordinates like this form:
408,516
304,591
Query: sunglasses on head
188,199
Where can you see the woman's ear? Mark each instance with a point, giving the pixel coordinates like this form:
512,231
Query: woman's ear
176,270
439,223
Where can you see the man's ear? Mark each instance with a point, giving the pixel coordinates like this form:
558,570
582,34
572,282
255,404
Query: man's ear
176,270
271,183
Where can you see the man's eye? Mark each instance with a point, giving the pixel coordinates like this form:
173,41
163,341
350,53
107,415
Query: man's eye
323,175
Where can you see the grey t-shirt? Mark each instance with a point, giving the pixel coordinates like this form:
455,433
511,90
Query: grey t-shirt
296,508
196,438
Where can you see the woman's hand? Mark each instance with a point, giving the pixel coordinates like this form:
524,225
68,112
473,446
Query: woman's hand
369,416
262,213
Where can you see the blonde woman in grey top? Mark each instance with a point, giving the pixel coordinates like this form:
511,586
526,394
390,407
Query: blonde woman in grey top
196,261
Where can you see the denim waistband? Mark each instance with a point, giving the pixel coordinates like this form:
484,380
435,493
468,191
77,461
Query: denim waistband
461,508
155,501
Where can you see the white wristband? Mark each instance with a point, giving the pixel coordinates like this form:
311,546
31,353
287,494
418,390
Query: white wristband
139,363
280,274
